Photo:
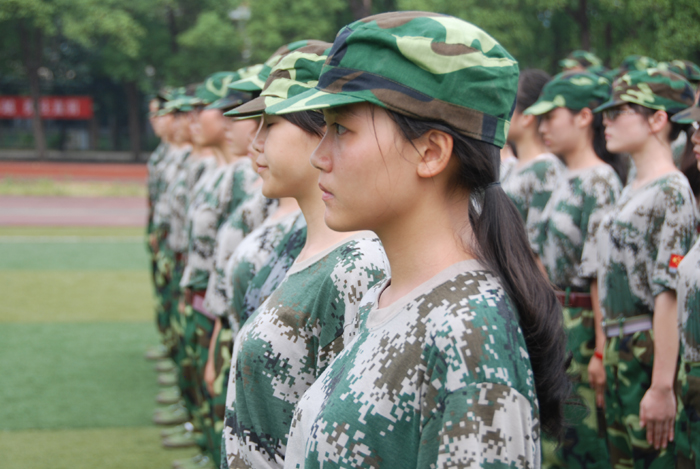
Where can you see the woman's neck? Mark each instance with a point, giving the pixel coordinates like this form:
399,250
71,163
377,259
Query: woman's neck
423,243
285,206
582,156
652,160
318,236
529,147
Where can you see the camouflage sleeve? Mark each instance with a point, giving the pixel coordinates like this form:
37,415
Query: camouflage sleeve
480,425
200,257
675,238
547,177
597,204
359,269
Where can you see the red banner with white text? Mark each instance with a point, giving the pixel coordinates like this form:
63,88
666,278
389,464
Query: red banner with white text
51,107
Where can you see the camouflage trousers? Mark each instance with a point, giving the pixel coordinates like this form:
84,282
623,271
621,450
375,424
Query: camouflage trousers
217,404
582,446
688,423
175,331
197,335
628,366
164,260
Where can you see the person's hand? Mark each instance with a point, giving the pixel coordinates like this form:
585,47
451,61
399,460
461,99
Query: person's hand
209,375
181,306
657,412
597,379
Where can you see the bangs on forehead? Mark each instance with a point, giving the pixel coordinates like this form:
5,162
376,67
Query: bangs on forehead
342,111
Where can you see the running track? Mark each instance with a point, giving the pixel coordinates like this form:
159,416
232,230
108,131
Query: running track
73,211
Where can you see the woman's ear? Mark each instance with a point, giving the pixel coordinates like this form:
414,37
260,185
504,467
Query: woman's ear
435,149
658,121
584,117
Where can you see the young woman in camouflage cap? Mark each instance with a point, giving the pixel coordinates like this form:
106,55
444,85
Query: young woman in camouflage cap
687,432
639,246
459,359
586,189
290,339
531,182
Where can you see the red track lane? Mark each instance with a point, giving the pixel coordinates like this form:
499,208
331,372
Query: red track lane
76,171
73,211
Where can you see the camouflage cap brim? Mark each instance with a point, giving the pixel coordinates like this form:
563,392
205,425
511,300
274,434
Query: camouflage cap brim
540,108
687,116
612,103
228,102
314,100
254,107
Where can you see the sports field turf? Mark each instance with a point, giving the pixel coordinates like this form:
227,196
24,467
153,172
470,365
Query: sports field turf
76,317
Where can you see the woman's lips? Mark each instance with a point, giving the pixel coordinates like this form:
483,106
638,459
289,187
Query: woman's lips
325,195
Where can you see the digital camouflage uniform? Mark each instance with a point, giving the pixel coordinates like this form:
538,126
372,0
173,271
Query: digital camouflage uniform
573,212
431,396
462,396
164,257
507,165
270,275
249,214
531,185
289,341
688,425
636,245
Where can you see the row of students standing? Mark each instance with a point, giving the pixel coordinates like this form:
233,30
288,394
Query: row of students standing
443,343
387,301
613,256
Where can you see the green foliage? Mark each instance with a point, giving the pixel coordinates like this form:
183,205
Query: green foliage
274,23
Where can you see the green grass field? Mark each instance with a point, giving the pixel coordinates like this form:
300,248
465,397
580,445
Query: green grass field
76,317
70,188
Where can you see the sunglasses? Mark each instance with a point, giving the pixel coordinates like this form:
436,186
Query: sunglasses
613,114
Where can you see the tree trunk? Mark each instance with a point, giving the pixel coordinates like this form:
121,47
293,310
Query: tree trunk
134,111
360,8
584,24
31,42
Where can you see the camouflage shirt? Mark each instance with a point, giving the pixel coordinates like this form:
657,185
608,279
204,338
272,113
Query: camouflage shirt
271,274
250,256
226,188
689,304
575,209
179,196
162,209
439,378
153,174
289,341
639,244
247,217
507,166
530,186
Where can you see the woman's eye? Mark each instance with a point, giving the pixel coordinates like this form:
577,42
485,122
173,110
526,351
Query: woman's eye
339,129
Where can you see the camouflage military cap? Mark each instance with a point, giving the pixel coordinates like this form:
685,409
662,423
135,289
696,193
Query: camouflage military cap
653,88
215,87
572,90
580,58
684,68
232,98
294,74
256,82
422,65
636,62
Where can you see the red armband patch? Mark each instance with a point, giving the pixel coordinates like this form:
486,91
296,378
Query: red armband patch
673,263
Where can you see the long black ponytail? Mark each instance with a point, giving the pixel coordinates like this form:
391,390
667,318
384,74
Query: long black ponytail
502,245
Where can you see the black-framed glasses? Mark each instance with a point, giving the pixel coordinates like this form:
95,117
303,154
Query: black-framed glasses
612,114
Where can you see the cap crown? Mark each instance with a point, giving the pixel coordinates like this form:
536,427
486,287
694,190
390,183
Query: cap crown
637,62
294,74
581,58
572,90
215,86
256,82
684,68
423,65
653,88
